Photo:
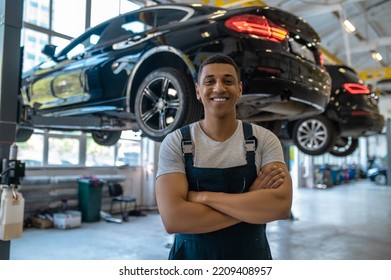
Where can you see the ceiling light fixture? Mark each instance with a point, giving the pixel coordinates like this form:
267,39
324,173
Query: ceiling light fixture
376,56
349,27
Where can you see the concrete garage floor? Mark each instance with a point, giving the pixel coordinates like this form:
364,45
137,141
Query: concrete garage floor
345,222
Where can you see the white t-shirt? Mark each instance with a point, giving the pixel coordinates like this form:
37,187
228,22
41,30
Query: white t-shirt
213,154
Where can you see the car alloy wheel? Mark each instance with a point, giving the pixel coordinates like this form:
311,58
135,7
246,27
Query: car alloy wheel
314,136
106,138
165,101
344,146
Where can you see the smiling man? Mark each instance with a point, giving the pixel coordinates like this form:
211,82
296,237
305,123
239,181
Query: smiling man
220,180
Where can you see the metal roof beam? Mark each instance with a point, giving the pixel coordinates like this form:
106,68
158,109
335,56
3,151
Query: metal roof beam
372,45
315,10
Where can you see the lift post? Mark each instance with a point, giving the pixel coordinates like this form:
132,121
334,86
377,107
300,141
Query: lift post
388,128
11,14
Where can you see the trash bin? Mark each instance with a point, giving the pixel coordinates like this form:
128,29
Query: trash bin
352,172
90,198
335,178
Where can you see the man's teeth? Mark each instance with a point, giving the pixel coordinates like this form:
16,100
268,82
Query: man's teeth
219,99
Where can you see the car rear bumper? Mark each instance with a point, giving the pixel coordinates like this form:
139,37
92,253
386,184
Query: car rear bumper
367,123
281,86
280,100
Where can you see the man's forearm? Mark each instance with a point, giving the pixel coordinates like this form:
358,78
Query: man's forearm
256,207
193,217
179,215
269,199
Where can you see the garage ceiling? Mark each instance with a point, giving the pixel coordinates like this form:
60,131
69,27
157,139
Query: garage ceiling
371,19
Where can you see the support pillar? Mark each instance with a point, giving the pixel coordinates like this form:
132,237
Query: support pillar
11,12
150,156
287,159
388,131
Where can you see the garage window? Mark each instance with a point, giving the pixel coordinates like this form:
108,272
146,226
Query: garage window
37,12
63,11
56,148
31,152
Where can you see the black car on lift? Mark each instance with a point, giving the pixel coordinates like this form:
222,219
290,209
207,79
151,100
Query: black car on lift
352,112
138,71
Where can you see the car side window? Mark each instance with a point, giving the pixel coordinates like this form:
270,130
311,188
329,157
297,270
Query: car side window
167,16
79,46
115,31
139,22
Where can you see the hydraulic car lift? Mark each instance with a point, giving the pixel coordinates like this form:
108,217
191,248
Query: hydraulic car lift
11,12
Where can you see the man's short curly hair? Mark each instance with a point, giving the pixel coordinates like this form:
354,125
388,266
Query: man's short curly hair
219,58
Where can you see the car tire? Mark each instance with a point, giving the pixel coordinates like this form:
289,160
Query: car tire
314,136
106,138
380,179
345,147
165,101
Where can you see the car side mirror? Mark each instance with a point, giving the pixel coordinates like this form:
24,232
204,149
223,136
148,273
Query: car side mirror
49,50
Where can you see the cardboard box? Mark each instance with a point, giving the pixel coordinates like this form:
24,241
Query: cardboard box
67,220
41,223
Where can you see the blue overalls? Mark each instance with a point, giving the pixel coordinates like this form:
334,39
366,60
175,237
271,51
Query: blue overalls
242,241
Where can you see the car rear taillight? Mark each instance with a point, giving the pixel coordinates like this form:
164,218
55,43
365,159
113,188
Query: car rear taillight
256,25
270,70
356,88
321,59
358,113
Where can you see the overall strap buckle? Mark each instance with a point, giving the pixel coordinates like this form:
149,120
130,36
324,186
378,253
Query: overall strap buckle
187,143
251,142
250,145
187,147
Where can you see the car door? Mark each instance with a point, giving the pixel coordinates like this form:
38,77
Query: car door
103,82
110,62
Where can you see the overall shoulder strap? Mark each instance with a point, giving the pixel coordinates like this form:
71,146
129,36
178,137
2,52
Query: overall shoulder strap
250,142
187,146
